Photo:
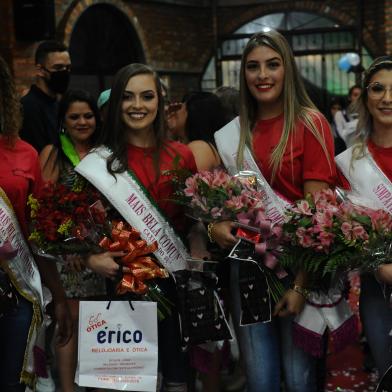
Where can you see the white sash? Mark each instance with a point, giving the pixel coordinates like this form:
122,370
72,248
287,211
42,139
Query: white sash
25,277
130,200
227,140
368,183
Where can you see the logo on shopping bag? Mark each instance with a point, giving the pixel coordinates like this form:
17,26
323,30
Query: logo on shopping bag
119,336
95,321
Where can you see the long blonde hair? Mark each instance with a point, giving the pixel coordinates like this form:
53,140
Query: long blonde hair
297,105
365,121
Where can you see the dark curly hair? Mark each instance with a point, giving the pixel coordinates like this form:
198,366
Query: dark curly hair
10,112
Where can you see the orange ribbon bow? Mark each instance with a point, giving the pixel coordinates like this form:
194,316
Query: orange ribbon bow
143,267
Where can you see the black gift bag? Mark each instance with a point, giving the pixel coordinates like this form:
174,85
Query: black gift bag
253,285
201,314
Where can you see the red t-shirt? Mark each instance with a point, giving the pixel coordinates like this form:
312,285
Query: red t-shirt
20,175
383,158
140,161
304,158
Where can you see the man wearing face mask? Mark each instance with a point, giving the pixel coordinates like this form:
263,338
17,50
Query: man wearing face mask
53,66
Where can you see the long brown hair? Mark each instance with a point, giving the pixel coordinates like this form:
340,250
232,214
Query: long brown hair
10,112
297,105
114,130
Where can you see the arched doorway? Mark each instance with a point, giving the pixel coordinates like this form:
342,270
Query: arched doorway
103,40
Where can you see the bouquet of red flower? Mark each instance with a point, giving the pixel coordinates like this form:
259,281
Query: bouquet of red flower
65,220
322,235
73,220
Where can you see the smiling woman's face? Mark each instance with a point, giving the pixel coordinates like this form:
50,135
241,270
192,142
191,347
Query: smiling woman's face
264,75
140,103
79,122
380,108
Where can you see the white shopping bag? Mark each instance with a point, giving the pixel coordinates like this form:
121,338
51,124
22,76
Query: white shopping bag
118,345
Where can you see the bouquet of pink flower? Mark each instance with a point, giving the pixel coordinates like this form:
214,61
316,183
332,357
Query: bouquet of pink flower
370,232
218,196
323,235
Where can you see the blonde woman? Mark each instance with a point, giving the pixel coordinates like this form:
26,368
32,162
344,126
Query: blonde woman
367,169
290,144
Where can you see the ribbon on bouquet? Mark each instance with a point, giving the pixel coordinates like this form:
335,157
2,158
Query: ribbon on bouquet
142,266
325,310
259,270
266,238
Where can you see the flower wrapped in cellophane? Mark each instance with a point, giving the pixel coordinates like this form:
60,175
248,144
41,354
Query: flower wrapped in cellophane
218,196
323,235
67,221
213,196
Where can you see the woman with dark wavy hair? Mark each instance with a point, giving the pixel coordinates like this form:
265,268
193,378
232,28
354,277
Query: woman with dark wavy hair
19,176
79,128
134,156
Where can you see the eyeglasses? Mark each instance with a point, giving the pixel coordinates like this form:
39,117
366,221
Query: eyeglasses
377,90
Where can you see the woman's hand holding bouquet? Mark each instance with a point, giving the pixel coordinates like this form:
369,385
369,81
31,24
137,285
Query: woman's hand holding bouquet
72,224
233,209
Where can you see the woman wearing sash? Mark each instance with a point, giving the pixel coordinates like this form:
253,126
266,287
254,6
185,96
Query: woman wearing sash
136,154
291,145
19,176
367,170
79,120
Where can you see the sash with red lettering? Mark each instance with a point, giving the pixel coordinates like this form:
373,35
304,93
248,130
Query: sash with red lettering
24,275
369,185
128,197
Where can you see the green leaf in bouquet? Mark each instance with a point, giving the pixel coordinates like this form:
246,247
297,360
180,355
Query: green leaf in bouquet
309,198
276,287
164,305
314,263
346,242
216,195
236,189
339,262
305,222
203,187
37,238
363,220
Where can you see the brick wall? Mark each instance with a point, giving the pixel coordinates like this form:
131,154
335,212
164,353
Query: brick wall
6,31
178,40
388,26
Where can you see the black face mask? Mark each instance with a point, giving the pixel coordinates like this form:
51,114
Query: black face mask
58,81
